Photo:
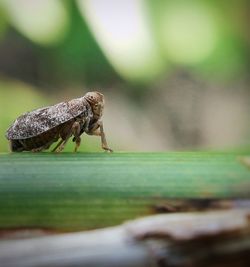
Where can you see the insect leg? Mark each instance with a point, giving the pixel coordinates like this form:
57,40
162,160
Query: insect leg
99,131
76,130
62,144
39,149
58,144
84,127
103,139
65,140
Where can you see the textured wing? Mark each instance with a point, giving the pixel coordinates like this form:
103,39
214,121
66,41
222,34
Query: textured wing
41,120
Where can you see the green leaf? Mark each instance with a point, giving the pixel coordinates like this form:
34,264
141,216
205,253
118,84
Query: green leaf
89,190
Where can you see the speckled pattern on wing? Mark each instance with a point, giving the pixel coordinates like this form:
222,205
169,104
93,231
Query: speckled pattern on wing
41,120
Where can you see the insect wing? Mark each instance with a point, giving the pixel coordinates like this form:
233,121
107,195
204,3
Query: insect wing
41,120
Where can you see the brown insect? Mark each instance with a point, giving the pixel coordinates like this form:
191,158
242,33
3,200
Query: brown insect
37,130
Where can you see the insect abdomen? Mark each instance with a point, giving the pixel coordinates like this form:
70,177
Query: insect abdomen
43,140
16,146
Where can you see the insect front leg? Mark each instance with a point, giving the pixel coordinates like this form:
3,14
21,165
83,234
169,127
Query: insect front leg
99,131
103,139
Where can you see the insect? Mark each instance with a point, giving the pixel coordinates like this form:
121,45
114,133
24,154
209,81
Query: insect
37,130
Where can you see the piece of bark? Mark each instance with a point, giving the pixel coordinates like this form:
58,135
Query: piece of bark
189,226
213,239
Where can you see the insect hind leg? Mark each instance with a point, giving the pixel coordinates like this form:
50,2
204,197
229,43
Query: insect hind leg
75,130
58,144
41,148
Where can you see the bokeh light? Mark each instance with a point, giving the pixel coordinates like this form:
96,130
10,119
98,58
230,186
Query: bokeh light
42,21
124,34
188,31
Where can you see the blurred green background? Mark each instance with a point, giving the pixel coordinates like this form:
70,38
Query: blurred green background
175,74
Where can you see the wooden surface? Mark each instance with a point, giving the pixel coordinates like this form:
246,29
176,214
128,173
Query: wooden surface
208,239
